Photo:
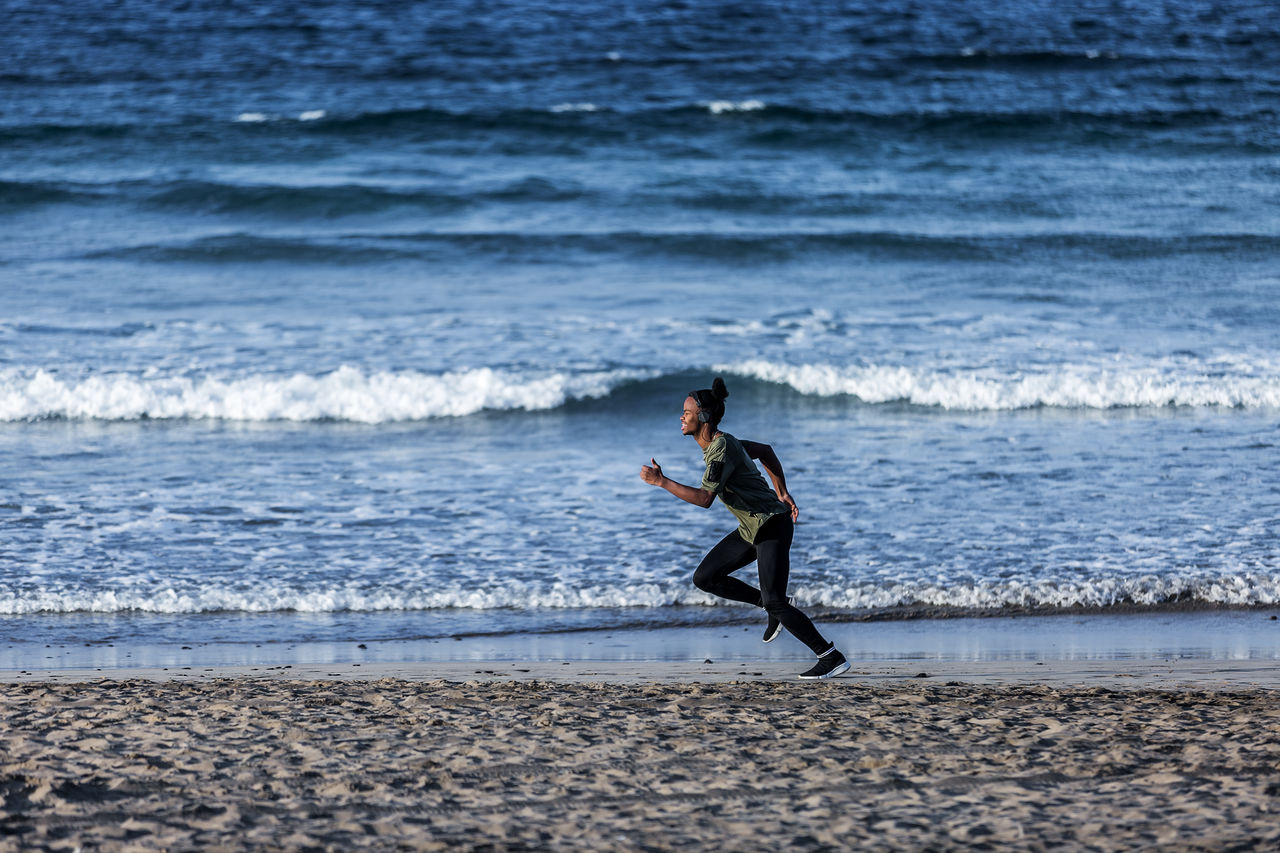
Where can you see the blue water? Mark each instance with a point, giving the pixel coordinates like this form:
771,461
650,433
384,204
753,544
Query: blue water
359,320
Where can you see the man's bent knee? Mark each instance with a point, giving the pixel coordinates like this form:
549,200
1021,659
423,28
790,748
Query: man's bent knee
704,580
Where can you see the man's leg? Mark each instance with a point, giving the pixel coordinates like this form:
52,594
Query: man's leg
712,575
773,548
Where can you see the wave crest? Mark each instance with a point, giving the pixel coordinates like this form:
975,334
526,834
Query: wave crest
347,394
1066,387
351,394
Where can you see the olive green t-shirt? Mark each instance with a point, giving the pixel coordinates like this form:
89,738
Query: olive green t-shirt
742,488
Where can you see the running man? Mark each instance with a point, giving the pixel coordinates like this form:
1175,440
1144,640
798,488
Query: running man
766,523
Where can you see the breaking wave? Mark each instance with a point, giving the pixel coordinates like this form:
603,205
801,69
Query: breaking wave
1065,387
351,394
346,394
996,596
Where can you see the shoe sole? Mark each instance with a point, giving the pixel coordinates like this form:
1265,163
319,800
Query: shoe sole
839,670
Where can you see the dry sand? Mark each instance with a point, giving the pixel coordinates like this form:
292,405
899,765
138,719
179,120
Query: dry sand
1048,758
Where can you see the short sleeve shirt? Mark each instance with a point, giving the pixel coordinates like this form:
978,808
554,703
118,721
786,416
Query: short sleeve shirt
734,478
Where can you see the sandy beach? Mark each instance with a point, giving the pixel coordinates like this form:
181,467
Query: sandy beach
644,756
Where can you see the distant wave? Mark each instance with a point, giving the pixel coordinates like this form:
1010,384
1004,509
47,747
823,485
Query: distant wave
285,201
16,195
349,394
590,120
322,201
722,247
1147,591
346,394
1048,60
241,248
593,120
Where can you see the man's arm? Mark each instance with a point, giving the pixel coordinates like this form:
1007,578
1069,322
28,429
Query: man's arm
654,477
773,468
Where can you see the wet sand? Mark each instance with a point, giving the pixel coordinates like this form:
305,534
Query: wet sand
644,756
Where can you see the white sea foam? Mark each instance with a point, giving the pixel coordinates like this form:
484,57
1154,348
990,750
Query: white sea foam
1067,386
575,108
718,107
346,394
267,598
259,118
350,394
1244,589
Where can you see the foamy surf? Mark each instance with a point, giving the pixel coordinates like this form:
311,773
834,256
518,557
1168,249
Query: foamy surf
1145,591
1063,387
346,394
331,598
373,397
1243,589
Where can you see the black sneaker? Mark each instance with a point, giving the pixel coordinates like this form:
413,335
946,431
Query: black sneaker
828,666
774,629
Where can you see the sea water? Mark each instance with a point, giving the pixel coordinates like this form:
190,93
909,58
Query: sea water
357,321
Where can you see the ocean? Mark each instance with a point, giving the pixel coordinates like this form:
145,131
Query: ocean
330,322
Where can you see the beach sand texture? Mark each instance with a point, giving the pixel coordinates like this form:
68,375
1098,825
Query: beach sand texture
267,764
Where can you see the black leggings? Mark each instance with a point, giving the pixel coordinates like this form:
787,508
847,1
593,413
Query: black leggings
772,553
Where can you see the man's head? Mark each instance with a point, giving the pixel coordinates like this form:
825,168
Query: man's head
704,407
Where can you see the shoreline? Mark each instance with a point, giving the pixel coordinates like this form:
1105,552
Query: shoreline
1199,650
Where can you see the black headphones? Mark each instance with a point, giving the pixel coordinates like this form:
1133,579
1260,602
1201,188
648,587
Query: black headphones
703,416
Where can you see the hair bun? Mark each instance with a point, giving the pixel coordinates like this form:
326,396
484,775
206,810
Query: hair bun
718,389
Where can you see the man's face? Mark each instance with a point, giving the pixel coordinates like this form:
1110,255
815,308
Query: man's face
689,417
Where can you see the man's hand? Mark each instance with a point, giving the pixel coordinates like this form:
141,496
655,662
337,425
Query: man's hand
795,510
652,473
